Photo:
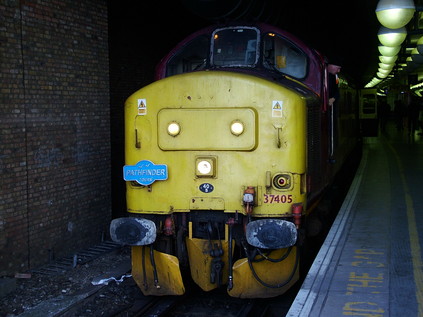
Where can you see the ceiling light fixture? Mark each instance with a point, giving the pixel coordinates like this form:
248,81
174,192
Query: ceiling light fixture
386,66
395,14
391,37
388,59
389,50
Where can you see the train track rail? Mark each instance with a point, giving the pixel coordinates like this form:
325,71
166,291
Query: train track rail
195,304
211,304
173,306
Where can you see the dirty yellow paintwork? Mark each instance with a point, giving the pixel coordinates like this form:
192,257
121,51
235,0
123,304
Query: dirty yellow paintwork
168,272
205,104
200,262
209,132
246,286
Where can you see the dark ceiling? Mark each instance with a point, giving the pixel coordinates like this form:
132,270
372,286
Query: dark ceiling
345,29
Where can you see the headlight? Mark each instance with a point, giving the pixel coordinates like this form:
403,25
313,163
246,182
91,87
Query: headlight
173,128
237,127
205,167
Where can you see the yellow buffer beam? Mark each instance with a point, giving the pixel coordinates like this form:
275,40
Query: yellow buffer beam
201,262
245,285
168,272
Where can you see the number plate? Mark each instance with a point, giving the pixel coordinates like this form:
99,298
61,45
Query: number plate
277,199
206,188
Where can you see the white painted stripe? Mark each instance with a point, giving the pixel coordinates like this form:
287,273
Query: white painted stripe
312,285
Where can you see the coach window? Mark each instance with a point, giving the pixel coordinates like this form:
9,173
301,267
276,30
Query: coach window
284,56
192,56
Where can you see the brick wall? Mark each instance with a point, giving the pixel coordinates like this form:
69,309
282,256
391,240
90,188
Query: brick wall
54,130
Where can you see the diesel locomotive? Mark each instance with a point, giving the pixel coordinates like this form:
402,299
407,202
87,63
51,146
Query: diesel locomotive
227,153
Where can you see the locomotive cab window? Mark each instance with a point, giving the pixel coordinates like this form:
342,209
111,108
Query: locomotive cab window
193,56
235,47
283,56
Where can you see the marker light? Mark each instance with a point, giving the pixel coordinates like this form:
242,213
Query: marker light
173,128
237,127
282,181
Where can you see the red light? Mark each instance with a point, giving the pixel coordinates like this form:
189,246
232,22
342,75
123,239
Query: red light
169,227
282,181
297,210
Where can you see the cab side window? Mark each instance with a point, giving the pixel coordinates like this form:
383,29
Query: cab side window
283,56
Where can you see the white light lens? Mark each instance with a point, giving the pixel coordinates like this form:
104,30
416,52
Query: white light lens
204,167
173,128
237,128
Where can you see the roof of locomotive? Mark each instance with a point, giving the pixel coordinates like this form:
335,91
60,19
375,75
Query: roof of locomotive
313,78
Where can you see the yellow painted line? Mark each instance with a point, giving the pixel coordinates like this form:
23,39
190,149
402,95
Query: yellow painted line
413,235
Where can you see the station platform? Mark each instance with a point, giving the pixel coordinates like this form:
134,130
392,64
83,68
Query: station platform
371,261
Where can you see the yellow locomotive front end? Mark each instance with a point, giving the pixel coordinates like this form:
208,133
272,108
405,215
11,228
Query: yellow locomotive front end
216,162
217,128
216,155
